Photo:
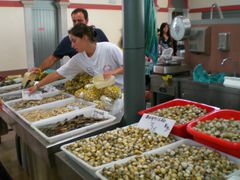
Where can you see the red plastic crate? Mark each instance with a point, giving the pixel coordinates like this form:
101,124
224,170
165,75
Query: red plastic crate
180,130
229,147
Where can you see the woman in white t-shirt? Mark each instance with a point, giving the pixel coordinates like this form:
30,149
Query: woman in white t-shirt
93,58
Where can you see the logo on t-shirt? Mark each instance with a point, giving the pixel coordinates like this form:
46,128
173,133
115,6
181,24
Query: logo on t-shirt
90,71
107,67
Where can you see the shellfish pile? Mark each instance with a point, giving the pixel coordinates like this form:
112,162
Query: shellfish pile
181,114
227,129
184,162
23,104
36,115
69,125
118,144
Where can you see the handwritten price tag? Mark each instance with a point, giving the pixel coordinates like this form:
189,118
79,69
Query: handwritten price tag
159,125
98,114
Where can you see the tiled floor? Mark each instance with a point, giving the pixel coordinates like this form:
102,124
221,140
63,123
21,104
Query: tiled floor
8,157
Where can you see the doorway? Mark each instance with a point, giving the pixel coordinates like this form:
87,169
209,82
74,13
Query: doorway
45,32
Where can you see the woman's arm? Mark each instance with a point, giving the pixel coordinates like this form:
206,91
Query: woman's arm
114,72
48,79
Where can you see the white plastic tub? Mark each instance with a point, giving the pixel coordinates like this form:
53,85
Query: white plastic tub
90,112
54,105
91,169
9,89
172,146
14,93
232,82
9,104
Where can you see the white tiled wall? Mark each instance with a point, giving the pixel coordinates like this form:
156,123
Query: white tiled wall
207,3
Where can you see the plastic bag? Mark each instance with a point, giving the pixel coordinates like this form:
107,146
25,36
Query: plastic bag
167,54
100,82
201,75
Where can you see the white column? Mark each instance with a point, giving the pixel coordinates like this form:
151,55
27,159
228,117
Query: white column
62,18
186,12
62,23
170,11
28,31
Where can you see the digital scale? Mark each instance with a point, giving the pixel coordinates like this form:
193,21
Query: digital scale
168,64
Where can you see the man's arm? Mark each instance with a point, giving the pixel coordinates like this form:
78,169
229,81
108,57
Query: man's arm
48,62
63,49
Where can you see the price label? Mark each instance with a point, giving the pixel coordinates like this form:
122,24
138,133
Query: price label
159,125
35,96
98,114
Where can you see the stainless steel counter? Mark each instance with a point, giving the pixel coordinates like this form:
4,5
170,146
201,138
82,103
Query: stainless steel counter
165,90
68,169
212,94
184,87
173,69
40,146
35,148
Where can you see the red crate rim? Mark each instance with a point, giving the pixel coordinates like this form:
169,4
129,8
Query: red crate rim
209,137
180,100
